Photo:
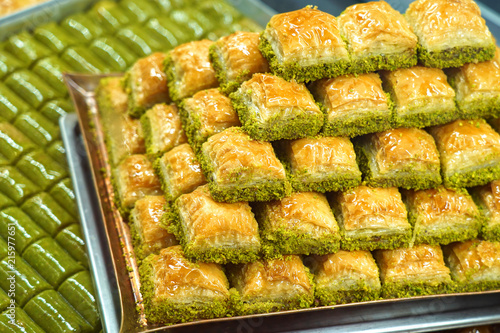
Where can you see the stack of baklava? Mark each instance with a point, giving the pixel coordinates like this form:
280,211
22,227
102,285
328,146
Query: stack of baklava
327,160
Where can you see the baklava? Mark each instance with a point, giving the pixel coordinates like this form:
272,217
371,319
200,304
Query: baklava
212,231
487,198
302,223
304,45
402,157
345,277
241,169
371,218
320,164
413,271
235,58
271,108
422,96
450,33
470,152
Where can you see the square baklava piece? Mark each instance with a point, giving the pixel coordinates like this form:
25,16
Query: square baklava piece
413,271
320,164
470,152
353,104
235,58
162,129
179,171
146,84
206,113
477,89
302,223
442,216
345,277
211,231
487,198
450,33
402,157
304,45
271,108
147,233
474,265
371,218
422,96
189,70
239,168
177,290
378,37
271,285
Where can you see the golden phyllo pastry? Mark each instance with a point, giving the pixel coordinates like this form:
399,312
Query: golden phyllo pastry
304,45
474,264
378,37
488,199
422,97
189,70
176,290
146,84
236,58
212,231
179,171
353,104
206,113
442,216
241,169
402,157
271,108
412,271
345,277
271,285
371,218
320,164
147,233
450,32
302,223
470,152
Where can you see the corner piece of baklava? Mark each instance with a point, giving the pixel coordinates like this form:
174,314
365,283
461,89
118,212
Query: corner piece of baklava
487,198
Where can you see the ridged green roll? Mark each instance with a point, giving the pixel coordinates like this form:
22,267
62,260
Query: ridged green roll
25,47
63,193
168,32
3,248
22,324
140,41
41,169
79,292
57,108
114,53
11,104
4,300
82,28
139,10
15,185
219,11
110,15
18,227
13,143
54,314
186,19
82,60
51,70
5,201
57,151
54,37
38,128
8,63
71,239
31,88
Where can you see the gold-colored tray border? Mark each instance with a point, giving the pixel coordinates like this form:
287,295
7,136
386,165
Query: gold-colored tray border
81,89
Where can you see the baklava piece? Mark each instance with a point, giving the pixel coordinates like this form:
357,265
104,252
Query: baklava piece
133,179
474,265
179,172
402,157
371,218
320,164
147,233
442,216
176,290
206,113
304,45
302,223
271,108
450,33
241,169
235,58
413,271
378,37
211,231
162,129
146,84
470,152
477,88
353,104
189,70
487,198
345,277
422,97
271,285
